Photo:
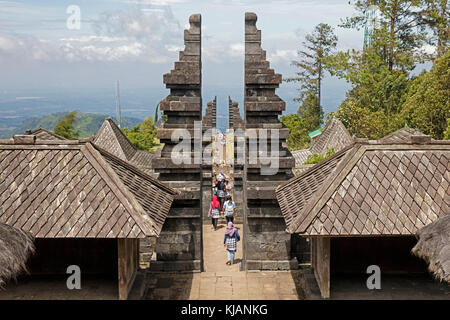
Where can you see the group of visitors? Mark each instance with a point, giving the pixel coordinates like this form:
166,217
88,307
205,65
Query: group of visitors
222,188
223,205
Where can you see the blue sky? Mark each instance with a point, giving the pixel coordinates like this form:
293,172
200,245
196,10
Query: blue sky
138,41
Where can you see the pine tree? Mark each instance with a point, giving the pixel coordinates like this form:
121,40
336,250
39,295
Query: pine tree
318,46
401,30
436,16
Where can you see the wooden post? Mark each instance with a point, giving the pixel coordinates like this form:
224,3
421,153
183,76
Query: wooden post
321,264
127,250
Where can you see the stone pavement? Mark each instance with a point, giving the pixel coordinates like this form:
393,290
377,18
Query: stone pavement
273,285
215,255
220,281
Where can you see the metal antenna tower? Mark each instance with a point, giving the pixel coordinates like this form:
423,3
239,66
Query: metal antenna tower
370,25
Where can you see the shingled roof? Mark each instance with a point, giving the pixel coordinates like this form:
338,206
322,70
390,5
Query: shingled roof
110,138
370,188
403,134
73,189
44,134
334,136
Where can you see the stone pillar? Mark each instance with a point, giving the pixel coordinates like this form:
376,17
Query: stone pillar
267,244
179,246
208,129
237,124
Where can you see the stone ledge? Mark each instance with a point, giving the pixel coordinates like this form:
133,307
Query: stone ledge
170,266
272,264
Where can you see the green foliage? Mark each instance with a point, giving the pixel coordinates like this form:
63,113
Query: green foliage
383,97
317,157
400,31
309,117
371,108
427,105
143,135
319,45
447,131
310,112
298,134
435,15
87,124
65,127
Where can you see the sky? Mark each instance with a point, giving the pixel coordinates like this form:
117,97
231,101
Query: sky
136,42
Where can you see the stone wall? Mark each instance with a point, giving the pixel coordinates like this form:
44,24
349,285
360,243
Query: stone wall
266,243
236,123
179,246
208,125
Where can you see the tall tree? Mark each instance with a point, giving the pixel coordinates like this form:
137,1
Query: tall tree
318,46
427,105
371,108
436,15
400,29
65,127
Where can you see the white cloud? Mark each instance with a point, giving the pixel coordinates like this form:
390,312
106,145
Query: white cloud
283,55
173,48
6,44
237,49
94,53
130,34
94,38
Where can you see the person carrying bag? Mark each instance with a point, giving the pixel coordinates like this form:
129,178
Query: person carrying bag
230,242
229,208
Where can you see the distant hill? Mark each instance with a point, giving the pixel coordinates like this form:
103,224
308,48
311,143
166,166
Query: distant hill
87,123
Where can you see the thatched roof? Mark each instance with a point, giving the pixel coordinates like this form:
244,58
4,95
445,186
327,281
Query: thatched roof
434,247
15,248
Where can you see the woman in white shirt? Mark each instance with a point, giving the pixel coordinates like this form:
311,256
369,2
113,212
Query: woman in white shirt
229,209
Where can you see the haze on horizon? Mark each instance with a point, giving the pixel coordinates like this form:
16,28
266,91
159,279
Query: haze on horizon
138,41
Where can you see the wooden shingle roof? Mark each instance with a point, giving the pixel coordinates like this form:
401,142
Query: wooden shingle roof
110,138
334,136
403,134
44,134
300,156
73,189
371,188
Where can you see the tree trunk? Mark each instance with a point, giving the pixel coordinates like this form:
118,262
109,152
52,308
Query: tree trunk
319,85
392,35
442,30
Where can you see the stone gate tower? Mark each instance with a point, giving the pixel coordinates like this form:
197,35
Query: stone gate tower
266,243
179,246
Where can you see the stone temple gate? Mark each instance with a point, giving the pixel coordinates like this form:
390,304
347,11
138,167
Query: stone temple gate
266,244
